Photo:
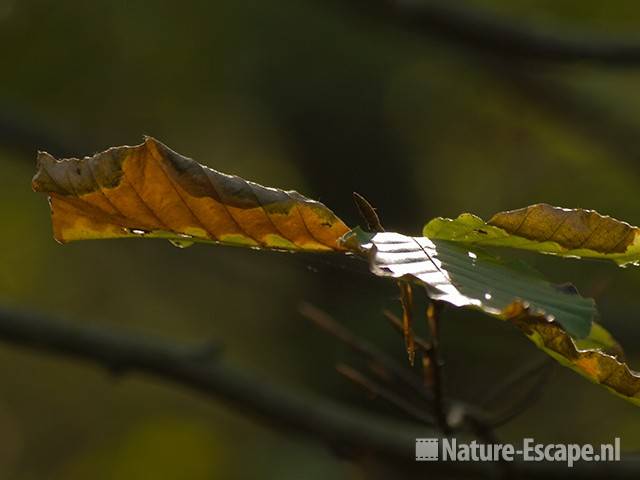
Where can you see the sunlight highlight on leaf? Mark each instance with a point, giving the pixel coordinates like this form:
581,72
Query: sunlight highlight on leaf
555,318
463,278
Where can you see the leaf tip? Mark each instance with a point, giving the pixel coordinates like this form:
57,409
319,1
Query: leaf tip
43,159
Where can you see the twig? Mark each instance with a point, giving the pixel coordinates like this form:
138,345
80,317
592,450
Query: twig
324,321
522,374
406,298
421,344
529,398
128,352
433,319
388,364
379,391
276,406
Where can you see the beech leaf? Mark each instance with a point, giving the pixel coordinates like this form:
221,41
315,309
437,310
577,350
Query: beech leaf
544,228
149,190
464,278
598,357
555,318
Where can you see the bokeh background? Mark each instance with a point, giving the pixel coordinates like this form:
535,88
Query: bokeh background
327,99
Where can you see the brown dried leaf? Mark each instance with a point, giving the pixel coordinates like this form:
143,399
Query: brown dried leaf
149,190
598,357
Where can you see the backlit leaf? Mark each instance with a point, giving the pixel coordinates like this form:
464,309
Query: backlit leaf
453,274
546,229
149,190
598,357
555,319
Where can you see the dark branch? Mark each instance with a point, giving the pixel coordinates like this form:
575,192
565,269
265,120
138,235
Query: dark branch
126,352
467,417
342,428
404,376
520,375
377,390
489,33
422,345
435,363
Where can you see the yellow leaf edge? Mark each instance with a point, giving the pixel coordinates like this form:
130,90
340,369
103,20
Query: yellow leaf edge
603,365
503,229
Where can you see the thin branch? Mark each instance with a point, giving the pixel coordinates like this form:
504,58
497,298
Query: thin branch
324,321
378,390
126,352
481,30
406,298
435,363
390,366
527,400
421,344
338,426
520,375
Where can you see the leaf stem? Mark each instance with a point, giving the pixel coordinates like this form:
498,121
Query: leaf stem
406,297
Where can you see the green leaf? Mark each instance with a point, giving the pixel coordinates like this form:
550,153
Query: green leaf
465,278
543,228
550,316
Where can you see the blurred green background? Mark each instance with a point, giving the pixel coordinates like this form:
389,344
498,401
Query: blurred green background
311,95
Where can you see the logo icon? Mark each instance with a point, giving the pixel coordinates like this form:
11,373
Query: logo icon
426,449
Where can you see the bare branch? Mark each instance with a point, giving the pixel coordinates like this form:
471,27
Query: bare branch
342,428
324,321
484,31
435,363
378,390
126,352
421,344
520,375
